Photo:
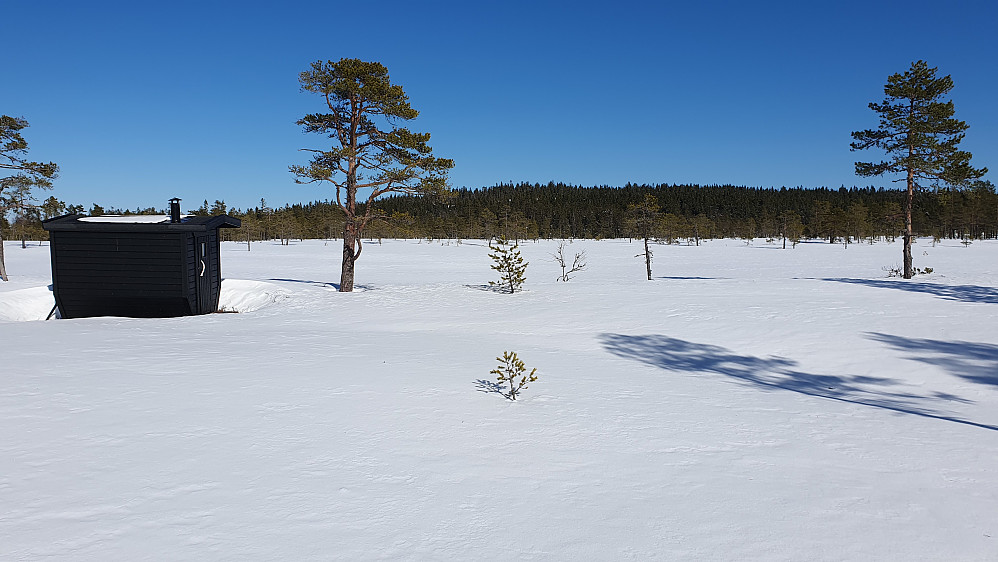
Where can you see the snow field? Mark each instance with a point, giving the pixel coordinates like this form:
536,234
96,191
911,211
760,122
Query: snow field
749,403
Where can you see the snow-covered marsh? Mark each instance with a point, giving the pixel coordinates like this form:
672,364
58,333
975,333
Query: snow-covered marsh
748,403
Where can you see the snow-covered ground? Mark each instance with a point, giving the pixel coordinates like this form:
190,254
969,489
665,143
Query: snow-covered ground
748,403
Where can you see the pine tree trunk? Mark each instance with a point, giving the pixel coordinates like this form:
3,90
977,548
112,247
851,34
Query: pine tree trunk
908,271
647,259
349,257
3,268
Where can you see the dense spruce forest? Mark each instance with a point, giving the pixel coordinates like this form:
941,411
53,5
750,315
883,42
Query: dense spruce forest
687,213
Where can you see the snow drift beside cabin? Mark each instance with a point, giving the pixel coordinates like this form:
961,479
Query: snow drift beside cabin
237,295
24,305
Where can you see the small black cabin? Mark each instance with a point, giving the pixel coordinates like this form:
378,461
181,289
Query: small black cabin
136,265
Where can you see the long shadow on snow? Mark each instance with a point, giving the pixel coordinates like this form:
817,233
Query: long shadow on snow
963,293
681,278
321,283
776,373
975,362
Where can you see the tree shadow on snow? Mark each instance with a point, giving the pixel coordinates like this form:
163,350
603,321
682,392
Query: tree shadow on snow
489,288
681,278
975,362
491,387
323,284
777,373
962,293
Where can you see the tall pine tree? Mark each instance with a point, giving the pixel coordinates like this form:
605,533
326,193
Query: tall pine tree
920,138
369,150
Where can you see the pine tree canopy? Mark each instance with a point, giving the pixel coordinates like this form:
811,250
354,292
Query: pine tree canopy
917,131
368,148
13,148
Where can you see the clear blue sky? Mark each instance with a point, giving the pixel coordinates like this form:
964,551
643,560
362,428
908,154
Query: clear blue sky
141,101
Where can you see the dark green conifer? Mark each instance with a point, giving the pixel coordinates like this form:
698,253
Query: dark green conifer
920,138
369,150
509,263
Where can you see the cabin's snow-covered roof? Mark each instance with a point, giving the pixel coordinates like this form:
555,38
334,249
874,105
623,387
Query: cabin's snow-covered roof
138,223
130,219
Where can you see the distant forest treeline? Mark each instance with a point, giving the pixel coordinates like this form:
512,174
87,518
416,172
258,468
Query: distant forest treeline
555,210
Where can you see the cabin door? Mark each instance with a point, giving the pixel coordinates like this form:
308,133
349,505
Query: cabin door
204,273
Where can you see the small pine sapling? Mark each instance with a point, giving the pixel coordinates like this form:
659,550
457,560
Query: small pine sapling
512,370
896,271
578,262
509,263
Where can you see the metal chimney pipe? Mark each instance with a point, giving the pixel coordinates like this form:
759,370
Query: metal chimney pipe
175,210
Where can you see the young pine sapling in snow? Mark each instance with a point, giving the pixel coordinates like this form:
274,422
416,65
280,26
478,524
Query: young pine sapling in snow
509,263
578,262
512,370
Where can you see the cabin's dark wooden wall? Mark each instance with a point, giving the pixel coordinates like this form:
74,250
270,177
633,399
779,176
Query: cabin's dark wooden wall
137,274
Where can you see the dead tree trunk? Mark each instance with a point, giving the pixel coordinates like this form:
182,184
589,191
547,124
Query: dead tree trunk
647,259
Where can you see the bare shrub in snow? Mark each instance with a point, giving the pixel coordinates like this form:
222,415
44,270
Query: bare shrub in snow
512,370
896,271
893,271
578,262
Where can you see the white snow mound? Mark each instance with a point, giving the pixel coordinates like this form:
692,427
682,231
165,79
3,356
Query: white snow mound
241,295
236,295
24,305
